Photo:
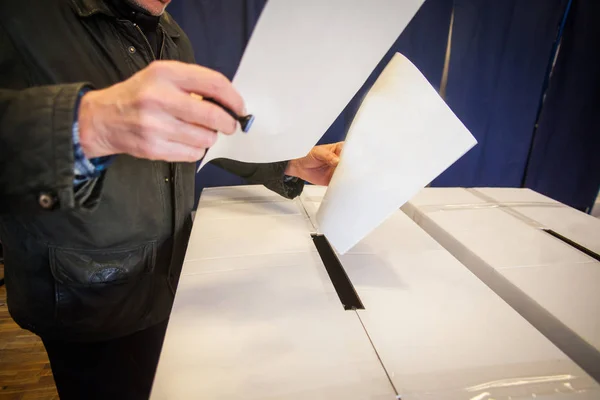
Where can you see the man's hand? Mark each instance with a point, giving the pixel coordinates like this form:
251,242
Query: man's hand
318,166
152,115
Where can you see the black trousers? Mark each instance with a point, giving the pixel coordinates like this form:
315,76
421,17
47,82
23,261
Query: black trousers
116,369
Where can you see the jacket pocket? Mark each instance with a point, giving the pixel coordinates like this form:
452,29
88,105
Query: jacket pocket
102,291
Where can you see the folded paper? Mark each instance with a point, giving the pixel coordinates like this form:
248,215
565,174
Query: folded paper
403,136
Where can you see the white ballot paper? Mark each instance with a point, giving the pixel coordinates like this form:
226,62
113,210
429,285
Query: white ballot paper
403,136
304,63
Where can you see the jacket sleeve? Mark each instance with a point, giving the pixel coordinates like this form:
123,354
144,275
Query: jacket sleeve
36,150
36,141
271,175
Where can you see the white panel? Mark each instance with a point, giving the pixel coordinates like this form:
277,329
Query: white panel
504,241
250,207
256,315
239,208
222,264
238,192
573,224
443,334
521,195
266,333
569,291
445,196
239,201
311,199
552,275
247,235
315,191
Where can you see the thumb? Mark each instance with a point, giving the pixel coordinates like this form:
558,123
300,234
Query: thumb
334,160
329,157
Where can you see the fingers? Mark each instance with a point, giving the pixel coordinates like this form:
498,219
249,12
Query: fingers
164,150
190,135
170,139
198,112
178,152
193,78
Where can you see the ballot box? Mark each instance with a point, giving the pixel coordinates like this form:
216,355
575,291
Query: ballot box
541,256
262,311
256,316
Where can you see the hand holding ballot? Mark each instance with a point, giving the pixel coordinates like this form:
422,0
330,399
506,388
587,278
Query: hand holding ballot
152,115
318,166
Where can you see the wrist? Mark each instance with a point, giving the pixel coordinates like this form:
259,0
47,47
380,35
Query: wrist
292,168
88,135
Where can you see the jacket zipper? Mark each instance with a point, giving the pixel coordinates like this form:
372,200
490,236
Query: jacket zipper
162,43
146,40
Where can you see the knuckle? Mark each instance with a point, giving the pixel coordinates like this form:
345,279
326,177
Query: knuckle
156,69
146,97
217,82
145,125
150,148
151,73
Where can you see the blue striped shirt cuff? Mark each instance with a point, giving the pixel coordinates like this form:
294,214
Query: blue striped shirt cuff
85,169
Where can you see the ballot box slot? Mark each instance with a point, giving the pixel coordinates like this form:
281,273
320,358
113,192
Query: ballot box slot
341,282
571,243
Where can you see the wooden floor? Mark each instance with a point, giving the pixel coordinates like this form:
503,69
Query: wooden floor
24,369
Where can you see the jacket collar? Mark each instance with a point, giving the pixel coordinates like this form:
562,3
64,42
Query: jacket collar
87,8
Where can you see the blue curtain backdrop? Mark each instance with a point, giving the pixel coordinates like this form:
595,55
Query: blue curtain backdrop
499,56
565,157
499,61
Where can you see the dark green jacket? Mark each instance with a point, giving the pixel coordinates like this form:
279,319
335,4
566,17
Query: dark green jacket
101,261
